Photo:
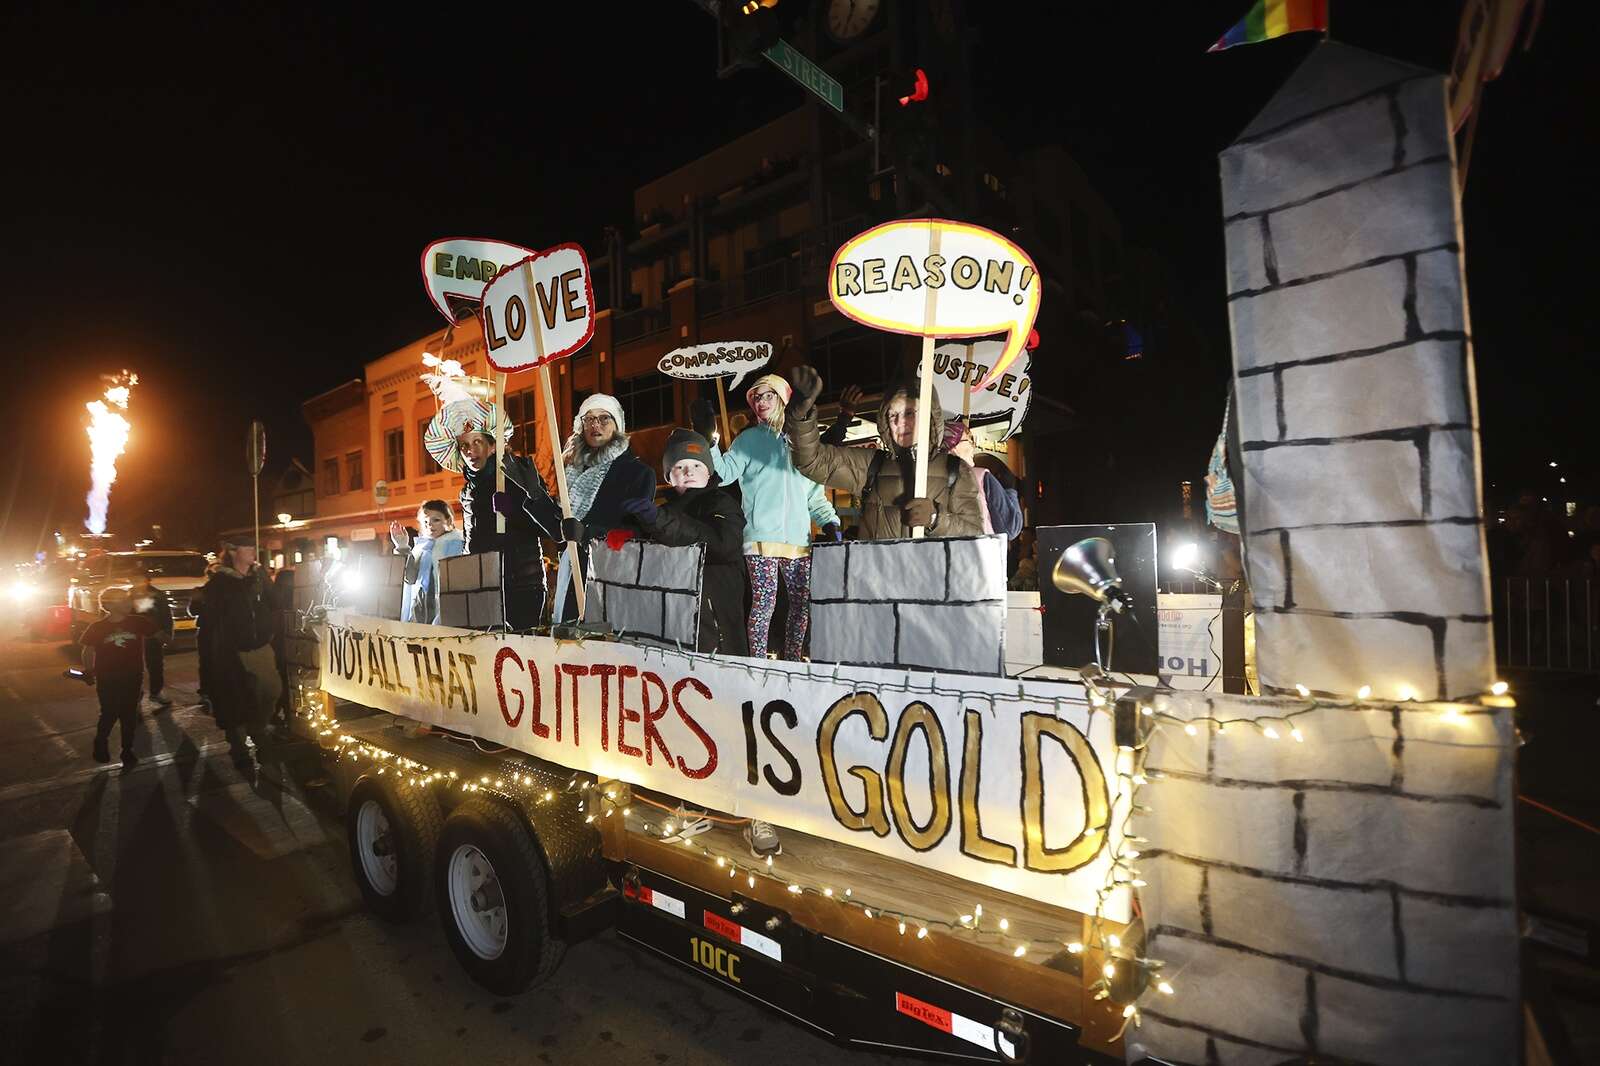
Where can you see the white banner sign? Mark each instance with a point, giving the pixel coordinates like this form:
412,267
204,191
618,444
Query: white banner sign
959,365
1001,782
702,361
456,269
538,310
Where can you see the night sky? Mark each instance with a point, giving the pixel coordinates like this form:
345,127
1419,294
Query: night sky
231,203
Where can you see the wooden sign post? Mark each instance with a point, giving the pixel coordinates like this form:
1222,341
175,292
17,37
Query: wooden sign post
548,389
500,446
727,426
925,384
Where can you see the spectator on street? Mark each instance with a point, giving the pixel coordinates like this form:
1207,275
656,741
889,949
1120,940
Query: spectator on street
154,603
113,657
243,678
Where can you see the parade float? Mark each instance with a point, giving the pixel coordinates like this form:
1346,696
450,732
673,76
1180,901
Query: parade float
985,857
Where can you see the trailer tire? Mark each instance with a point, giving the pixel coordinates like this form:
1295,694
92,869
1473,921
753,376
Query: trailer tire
393,832
494,898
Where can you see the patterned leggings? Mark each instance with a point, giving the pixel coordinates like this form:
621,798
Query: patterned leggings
764,571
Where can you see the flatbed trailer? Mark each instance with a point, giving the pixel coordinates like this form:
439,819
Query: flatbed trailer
520,857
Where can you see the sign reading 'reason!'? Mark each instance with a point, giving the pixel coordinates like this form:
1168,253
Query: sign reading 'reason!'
1003,782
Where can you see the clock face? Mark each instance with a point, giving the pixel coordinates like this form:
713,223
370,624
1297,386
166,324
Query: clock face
848,19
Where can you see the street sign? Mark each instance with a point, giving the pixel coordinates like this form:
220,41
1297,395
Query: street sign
380,492
255,447
811,77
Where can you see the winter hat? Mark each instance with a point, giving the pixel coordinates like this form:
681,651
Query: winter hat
599,401
775,382
685,444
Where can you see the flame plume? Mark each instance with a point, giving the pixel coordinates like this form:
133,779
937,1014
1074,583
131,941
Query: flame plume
108,436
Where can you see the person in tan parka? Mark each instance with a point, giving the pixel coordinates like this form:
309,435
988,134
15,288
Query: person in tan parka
882,478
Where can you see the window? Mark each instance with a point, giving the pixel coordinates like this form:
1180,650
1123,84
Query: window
867,358
394,454
426,463
330,477
646,400
520,407
354,478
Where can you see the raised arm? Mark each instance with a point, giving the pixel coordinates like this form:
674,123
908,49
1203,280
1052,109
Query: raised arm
826,464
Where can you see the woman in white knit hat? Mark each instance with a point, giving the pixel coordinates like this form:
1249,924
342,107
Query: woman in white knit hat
602,473
780,505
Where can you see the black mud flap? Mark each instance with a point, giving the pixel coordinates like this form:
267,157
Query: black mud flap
850,995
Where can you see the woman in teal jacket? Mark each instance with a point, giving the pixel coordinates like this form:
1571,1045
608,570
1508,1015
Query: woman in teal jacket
780,504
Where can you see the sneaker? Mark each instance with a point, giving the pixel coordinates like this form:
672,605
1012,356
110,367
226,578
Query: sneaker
762,839
102,750
161,700
129,760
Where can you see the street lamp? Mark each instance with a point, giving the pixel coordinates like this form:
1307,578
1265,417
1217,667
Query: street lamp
284,518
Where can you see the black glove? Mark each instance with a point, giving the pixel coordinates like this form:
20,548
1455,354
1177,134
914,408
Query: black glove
703,418
831,532
806,384
572,530
645,511
920,511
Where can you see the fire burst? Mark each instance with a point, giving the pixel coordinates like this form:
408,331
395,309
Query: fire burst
108,436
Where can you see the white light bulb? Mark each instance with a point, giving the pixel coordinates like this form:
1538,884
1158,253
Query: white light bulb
1499,688
1185,556
922,932
1114,940
1304,692
1004,925
1164,988
1021,951
1191,730
1364,692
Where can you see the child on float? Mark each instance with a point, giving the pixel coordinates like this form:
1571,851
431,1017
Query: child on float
780,505
701,512
437,538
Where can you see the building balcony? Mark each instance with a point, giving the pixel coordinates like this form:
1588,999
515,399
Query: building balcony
771,279
639,322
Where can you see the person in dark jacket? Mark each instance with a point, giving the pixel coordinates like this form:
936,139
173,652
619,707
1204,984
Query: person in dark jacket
884,478
154,604
522,562
244,673
602,475
701,512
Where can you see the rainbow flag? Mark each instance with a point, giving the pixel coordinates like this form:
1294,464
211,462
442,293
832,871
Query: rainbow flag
1274,18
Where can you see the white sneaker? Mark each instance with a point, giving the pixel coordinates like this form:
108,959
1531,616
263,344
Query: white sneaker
762,839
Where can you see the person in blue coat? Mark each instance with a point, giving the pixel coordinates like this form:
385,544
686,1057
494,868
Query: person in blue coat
780,505
437,539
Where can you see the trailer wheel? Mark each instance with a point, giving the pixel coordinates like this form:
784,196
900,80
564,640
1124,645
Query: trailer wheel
393,832
494,898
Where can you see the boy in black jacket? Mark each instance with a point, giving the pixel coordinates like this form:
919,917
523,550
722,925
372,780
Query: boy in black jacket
702,513
113,655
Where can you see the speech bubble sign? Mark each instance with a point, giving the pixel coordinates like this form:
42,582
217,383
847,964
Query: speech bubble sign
538,310
454,271
958,365
979,282
698,362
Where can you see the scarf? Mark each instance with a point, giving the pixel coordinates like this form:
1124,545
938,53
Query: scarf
585,476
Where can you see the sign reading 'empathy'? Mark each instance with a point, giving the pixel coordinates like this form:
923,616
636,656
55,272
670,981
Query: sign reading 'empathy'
997,781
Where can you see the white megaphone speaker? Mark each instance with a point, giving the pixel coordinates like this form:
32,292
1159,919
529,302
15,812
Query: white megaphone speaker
1089,568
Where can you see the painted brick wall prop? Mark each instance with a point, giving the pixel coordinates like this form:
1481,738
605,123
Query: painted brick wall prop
1362,505
935,603
647,592
1348,896
470,595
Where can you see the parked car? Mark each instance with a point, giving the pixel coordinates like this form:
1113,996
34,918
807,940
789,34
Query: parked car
179,574
38,595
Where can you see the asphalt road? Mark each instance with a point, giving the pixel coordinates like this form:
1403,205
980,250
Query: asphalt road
180,913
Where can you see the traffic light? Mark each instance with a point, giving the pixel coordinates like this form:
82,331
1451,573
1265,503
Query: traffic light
745,29
909,128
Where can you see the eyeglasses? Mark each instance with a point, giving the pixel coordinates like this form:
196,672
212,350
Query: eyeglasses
596,419
763,396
